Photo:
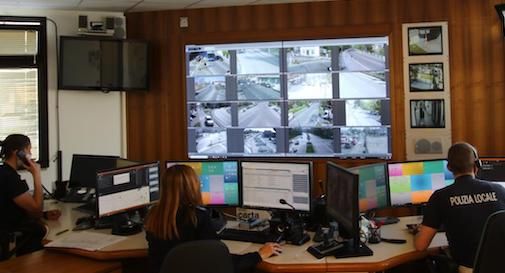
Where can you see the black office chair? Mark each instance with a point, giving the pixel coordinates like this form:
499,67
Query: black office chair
6,243
489,258
205,256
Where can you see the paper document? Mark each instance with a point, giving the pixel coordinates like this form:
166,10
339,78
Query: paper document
86,240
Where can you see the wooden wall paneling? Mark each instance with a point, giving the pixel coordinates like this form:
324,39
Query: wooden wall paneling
209,16
396,94
357,11
174,99
318,14
458,44
278,17
379,11
298,15
338,13
476,62
262,17
244,16
226,18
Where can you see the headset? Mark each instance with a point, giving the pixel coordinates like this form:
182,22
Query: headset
478,162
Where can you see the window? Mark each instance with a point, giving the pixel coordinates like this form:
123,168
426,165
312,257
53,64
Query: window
323,98
23,82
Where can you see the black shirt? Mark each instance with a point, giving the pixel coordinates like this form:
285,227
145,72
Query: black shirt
11,186
158,248
463,209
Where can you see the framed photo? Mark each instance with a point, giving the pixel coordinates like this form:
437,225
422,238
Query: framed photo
427,113
425,40
426,77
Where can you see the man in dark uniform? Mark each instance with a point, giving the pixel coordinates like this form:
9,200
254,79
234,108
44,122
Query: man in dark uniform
20,210
462,207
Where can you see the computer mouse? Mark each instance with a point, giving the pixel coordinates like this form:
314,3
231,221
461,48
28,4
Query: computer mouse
83,226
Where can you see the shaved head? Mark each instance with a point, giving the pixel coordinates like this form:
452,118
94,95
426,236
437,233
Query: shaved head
461,158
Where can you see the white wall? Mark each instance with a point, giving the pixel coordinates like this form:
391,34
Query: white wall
90,122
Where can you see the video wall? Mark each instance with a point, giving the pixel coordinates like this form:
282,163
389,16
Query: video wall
321,98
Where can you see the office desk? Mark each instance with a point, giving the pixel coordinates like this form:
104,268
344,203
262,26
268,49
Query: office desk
49,261
293,259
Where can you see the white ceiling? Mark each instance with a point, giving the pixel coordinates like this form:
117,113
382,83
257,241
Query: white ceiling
136,5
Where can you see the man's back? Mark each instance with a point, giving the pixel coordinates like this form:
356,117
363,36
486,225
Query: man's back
463,209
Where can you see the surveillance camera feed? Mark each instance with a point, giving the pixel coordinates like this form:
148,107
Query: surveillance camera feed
307,98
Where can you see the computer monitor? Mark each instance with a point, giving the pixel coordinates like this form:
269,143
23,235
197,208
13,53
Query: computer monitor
414,182
219,181
373,186
264,184
492,169
84,169
125,189
342,205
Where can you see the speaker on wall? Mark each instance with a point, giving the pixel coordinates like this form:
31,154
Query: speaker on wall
119,30
83,22
109,23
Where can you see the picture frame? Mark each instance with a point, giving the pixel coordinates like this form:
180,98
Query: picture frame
426,77
425,40
427,113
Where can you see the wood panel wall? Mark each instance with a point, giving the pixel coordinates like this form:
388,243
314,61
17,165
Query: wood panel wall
156,119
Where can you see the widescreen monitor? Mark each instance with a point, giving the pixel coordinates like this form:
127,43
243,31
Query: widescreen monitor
492,169
125,189
219,181
97,63
342,205
373,186
414,182
264,184
84,168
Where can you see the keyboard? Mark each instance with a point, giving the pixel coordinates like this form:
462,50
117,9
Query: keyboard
77,198
259,237
89,207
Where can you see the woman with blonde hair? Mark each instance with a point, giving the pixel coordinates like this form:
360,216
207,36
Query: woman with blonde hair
179,217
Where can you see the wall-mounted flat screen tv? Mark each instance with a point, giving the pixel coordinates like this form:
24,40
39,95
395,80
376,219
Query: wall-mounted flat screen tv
103,64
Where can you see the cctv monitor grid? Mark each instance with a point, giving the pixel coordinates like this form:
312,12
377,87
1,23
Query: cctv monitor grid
302,98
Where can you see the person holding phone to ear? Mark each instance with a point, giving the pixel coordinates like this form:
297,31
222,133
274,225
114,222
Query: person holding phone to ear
20,210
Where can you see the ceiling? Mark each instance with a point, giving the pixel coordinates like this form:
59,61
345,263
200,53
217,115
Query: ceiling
136,5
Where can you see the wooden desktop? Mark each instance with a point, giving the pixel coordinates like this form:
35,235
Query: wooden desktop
293,258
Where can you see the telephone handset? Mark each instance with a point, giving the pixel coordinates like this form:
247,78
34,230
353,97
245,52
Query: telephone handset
22,156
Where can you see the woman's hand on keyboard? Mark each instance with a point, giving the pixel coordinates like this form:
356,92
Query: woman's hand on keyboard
270,249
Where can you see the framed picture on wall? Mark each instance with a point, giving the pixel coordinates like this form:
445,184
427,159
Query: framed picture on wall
426,77
427,113
425,40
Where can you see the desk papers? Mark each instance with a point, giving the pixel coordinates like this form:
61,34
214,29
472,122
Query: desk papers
86,240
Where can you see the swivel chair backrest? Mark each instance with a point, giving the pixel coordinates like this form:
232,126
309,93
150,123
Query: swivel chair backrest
489,258
205,256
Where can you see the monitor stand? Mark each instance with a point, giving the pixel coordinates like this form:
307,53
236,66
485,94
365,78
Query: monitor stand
123,225
350,250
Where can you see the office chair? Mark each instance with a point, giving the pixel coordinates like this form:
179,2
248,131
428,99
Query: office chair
6,240
490,255
205,256
441,263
